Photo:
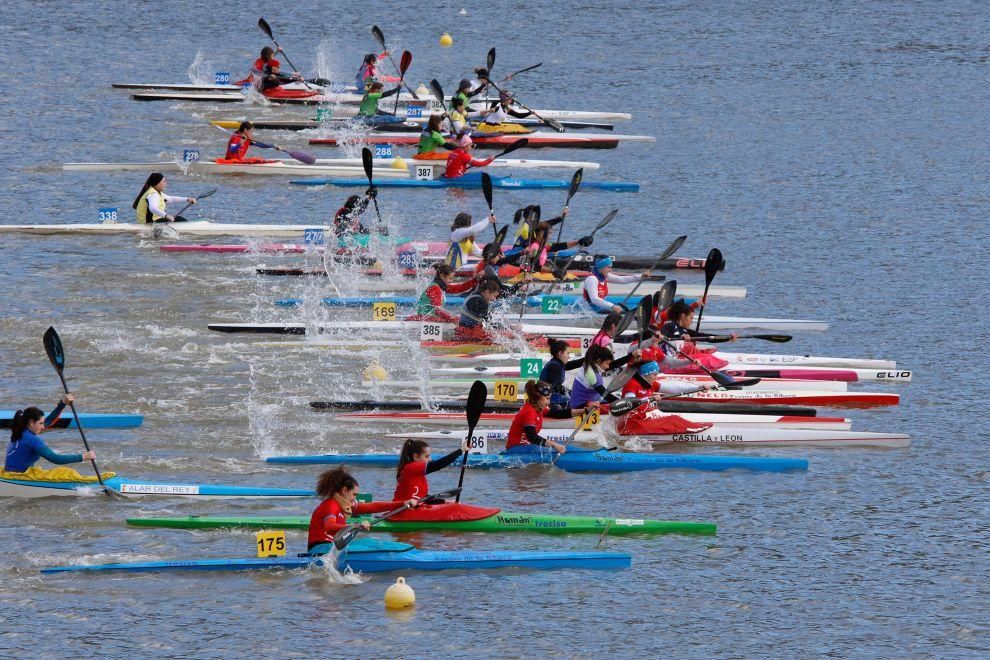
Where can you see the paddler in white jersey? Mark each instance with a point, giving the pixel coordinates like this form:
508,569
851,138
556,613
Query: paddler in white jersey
149,205
499,118
462,234
595,287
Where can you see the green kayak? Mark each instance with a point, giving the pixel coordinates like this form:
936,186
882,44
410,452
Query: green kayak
497,522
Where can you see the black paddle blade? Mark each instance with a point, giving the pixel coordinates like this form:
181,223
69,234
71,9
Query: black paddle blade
665,296
777,339
575,184
379,37
554,124
345,536
645,314
404,62
624,406
723,379
620,380
437,90
207,193
486,188
491,60
366,161
500,236
712,264
607,219
53,347
266,28
672,248
626,321
476,403
438,498
744,382
518,144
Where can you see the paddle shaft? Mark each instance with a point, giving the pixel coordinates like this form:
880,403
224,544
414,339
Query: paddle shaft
671,249
380,38
263,24
713,263
555,125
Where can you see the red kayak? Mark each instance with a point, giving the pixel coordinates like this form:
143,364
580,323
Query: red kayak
795,398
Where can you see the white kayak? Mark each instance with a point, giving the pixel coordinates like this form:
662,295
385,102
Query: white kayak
427,418
748,359
462,384
192,228
268,168
741,436
384,167
647,288
817,375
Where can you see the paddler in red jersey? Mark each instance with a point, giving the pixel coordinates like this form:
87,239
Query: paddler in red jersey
266,74
339,490
528,422
415,464
460,159
239,143
429,307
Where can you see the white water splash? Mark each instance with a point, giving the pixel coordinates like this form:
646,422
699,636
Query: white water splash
202,71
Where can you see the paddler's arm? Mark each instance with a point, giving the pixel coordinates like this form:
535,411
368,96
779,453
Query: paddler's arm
55,414
391,92
441,463
52,456
517,114
361,508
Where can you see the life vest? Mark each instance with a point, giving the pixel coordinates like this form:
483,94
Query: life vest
237,147
412,483
142,214
425,304
582,394
602,289
458,253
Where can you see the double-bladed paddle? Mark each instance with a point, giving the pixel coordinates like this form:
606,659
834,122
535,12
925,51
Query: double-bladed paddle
404,63
721,339
626,406
437,91
267,29
198,197
609,217
475,406
486,190
516,73
366,160
301,156
555,125
343,537
713,264
53,347
671,249
380,38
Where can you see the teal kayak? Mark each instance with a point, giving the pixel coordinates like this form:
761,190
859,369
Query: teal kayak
89,420
375,556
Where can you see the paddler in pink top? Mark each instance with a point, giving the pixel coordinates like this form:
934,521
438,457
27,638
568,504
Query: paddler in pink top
459,160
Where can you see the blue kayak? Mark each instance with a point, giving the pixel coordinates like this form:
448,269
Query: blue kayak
376,556
473,180
89,420
449,301
12,486
574,460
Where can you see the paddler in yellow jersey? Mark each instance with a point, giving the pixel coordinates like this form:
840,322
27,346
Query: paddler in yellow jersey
149,205
462,234
432,139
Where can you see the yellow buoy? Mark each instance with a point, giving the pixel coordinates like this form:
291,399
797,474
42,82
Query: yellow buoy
399,163
446,40
375,371
400,595
420,91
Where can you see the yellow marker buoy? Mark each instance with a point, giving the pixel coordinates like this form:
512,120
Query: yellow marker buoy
446,40
420,91
375,371
400,595
399,163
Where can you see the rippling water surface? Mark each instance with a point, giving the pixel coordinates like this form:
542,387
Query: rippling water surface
837,156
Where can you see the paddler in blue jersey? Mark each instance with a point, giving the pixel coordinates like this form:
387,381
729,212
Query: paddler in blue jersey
462,239
26,445
149,205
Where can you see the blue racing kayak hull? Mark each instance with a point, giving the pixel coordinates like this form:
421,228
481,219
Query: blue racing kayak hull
575,460
89,420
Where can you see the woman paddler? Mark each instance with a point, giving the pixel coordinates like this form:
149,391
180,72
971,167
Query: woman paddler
429,307
460,159
369,102
415,464
26,447
542,234
339,490
149,205
498,118
678,328
476,313
595,287
368,72
528,422
462,234
554,374
459,116
432,139
266,74
239,143
646,384
589,384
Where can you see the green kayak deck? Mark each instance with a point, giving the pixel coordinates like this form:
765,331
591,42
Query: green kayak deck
500,522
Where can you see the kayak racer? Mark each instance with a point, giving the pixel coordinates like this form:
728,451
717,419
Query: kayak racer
678,328
338,490
347,219
589,385
595,287
415,464
368,72
26,445
459,160
538,257
149,205
528,422
646,384
554,374
476,314
497,119
429,307
238,145
462,234
265,72
431,139
368,111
